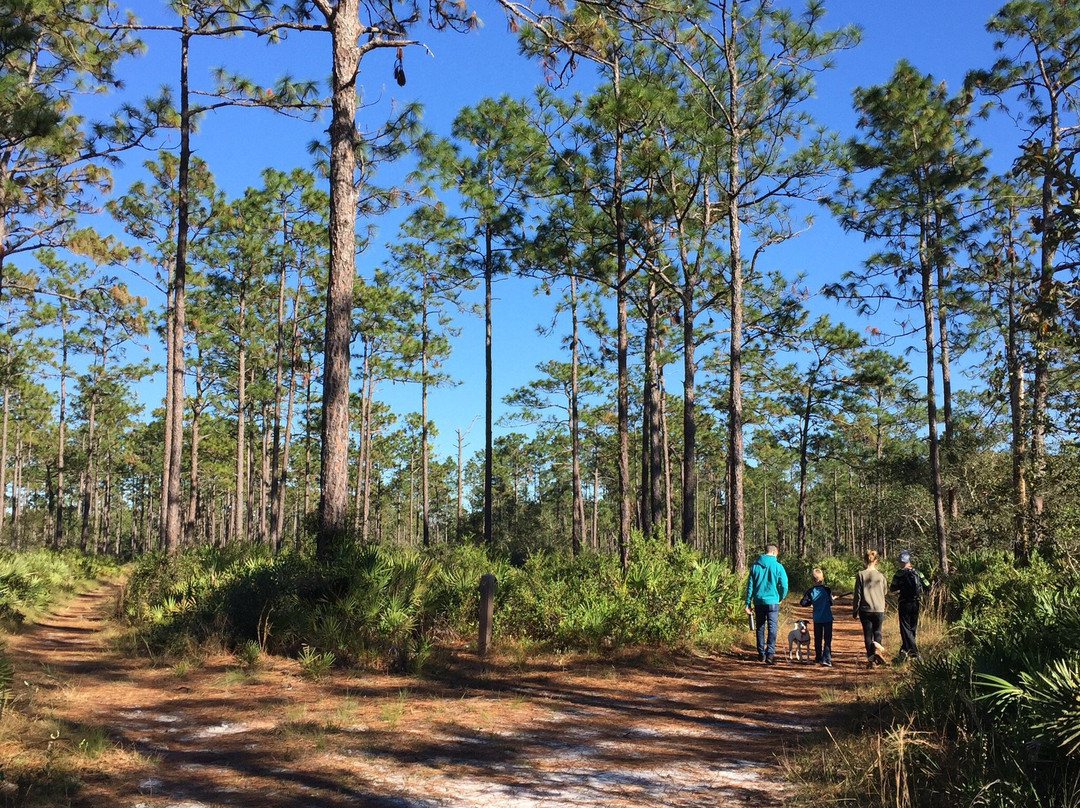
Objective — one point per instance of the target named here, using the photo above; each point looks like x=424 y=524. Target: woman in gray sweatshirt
x=868 y=607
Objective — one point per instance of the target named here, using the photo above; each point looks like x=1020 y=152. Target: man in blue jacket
x=766 y=586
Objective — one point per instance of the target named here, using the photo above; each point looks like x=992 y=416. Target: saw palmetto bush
x=366 y=604
x=30 y=581
x=989 y=717
x=667 y=596
x=451 y=600
x=389 y=605
x=1003 y=692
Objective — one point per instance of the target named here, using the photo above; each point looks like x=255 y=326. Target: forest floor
x=556 y=731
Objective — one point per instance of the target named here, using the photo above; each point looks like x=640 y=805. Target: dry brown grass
x=866 y=757
x=631 y=729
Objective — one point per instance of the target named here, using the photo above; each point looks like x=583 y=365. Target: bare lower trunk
x=89 y=480
x=736 y=517
x=577 y=525
x=281 y=477
x=3 y=458
x=1019 y=449
x=425 y=502
x=174 y=405
x=932 y=426
x=58 y=527
x=622 y=278
x=241 y=450
x=333 y=499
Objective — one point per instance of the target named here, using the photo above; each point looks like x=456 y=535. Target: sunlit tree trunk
x=333 y=498
x=622 y=279
x=577 y=527
x=425 y=494
x=58 y=527
x=174 y=404
x=3 y=459
x=241 y=435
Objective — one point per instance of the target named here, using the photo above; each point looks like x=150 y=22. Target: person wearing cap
x=910 y=584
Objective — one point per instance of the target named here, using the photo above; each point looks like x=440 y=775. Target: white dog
x=799 y=640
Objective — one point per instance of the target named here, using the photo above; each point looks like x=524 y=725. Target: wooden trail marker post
x=487 y=611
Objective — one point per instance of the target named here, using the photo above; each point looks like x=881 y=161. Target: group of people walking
x=767 y=586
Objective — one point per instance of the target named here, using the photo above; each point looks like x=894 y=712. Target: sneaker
x=760 y=657
x=826 y=664
x=879 y=654
x=770 y=660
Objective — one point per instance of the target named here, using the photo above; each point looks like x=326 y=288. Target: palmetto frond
x=1047 y=702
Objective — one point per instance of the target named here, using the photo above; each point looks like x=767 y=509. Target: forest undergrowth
x=988 y=716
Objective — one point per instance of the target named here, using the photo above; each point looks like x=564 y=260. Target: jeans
x=767 y=616
x=871 y=629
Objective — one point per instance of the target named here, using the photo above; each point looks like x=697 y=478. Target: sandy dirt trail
x=691 y=731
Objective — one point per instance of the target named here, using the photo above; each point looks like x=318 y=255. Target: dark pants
x=909 y=621
x=768 y=623
x=871 y=630
x=823 y=637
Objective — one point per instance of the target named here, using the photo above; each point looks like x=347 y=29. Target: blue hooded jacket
x=767 y=582
x=820 y=597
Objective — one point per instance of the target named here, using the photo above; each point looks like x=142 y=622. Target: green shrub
x=315 y=664
x=1002 y=693
x=839 y=573
x=390 y=605
x=30 y=581
x=668 y=596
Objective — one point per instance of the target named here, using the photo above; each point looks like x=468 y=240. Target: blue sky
x=944 y=39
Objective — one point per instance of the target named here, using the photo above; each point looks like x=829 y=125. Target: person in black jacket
x=910 y=585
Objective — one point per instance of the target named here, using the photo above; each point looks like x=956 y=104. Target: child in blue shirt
x=821 y=598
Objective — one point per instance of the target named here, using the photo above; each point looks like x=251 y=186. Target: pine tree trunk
x=736 y=524
x=3 y=460
x=931 y=414
x=952 y=492
x=274 y=528
x=333 y=500
x=804 y=448
x=622 y=279
x=238 y=527
x=58 y=527
x=645 y=509
x=425 y=503
x=282 y=476
x=689 y=468
x=365 y=469
x=89 y=483
x=193 y=471
x=489 y=536
x=577 y=522
x=264 y=478
x=174 y=405
x=1018 y=448
x=665 y=447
